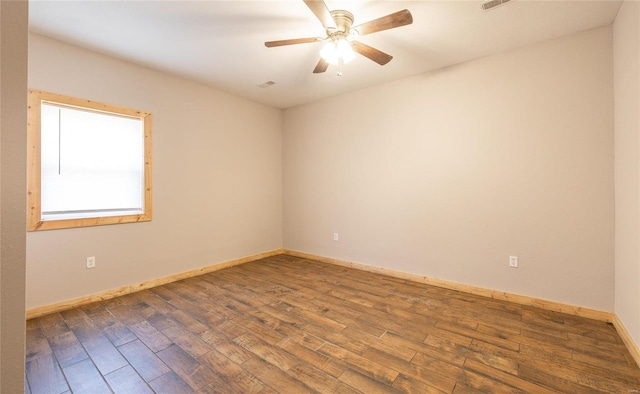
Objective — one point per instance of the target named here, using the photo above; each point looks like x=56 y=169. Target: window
x=89 y=163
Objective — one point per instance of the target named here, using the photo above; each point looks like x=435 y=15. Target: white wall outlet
x=513 y=261
x=91 y=262
x=335 y=237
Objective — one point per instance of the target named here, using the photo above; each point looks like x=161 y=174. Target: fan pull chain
x=340 y=63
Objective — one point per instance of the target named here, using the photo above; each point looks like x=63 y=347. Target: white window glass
x=92 y=163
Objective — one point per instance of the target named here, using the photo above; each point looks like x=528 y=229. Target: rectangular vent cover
x=265 y=85
x=493 y=4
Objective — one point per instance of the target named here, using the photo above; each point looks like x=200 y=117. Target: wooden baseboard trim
x=498 y=295
x=108 y=294
x=626 y=338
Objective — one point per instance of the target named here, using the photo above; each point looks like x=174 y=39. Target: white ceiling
x=221 y=43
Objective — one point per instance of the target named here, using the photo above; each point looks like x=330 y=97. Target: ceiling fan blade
x=321 y=66
x=374 y=54
x=320 y=10
x=271 y=44
x=390 y=21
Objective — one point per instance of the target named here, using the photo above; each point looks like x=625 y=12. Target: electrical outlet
x=91 y=262
x=335 y=236
x=513 y=261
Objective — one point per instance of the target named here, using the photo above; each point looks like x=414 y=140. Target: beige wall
x=447 y=174
x=216 y=179
x=13 y=123
x=626 y=33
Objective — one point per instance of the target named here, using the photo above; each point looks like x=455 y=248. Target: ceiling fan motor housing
x=344 y=20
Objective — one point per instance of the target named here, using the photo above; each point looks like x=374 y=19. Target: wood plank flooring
x=288 y=325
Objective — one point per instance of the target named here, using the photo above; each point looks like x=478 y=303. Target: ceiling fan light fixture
x=337 y=51
x=341 y=45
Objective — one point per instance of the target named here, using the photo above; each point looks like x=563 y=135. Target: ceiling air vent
x=265 y=85
x=493 y=4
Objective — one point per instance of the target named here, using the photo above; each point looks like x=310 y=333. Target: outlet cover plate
x=513 y=261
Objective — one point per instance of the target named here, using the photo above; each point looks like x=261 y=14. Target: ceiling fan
x=340 y=44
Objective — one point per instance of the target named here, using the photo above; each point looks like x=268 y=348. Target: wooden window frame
x=34 y=207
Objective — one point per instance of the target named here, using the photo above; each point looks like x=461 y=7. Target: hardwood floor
x=288 y=325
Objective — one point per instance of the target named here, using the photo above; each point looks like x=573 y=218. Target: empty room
x=320 y=196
